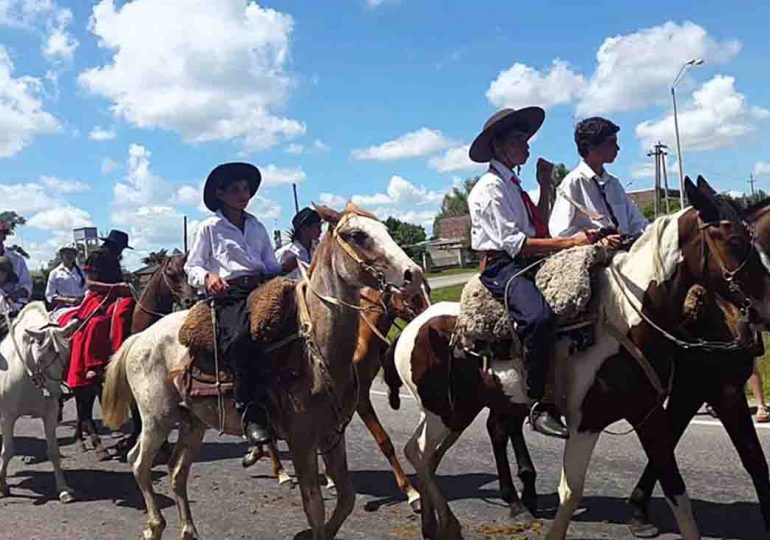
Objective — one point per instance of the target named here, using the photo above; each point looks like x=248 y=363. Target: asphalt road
x=230 y=502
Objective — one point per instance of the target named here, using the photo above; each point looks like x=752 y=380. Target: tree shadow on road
x=89 y=485
x=719 y=520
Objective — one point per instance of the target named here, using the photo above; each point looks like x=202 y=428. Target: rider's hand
x=289 y=265
x=581 y=239
x=90 y=374
x=613 y=241
x=215 y=285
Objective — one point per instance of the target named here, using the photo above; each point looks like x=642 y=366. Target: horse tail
x=117 y=395
x=392 y=379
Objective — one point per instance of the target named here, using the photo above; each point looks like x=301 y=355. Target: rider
x=15 y=295
x=230 y=256
x=508 y=229
x=105 y=311
x=17 y=261
x=590 y=186
x=66 y=283
x=305 y=232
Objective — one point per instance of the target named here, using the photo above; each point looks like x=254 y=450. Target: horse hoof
x=248 y=460
x=102 y=454
x=642 y=528
x=522 y=516
x=283 y=478
x=416 y=505
x=5 y=492
x=65 y=497
x=80 y=446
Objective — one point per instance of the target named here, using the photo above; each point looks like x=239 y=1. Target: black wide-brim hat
x=229 y=171
x=527 y=120
x=306 y=216
x=117 y=238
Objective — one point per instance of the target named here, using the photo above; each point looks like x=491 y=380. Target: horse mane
x=36 y=306
x=351 y=208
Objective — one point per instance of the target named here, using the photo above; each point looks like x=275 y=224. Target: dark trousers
x=237 y=350
x=532 y=314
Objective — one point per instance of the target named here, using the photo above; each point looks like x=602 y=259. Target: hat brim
x=528 y=120
x=240 y=171
x=111 y=241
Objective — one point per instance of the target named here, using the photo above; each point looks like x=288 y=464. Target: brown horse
x=639 y=297
x=381 y=311
x=357 y=252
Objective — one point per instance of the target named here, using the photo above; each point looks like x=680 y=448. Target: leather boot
x=255 y=423
x=544 y=419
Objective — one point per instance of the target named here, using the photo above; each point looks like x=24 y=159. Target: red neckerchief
x=535 y=216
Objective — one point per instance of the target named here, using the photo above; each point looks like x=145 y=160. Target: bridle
x=166 y=282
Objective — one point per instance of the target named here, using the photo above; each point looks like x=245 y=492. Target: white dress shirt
x=580 y=185
x=293 y=249
x=20 y=267
x=221 y=248
x=499 y=219
x=64 y=282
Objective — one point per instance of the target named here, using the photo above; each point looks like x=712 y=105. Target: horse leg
x=526 y=469
x=80 y=444
x=682 y=406
x=658 y=442
x=89 y=399
x=733 y=410
x=50 y=420
x=7 y=425
x=141 y=459
x=498 y=436
x=577 y=456
x=191 y=432
x=336 y=465
x=423 y=450
x=369 y=416
x=278 y=470
x=306 y=469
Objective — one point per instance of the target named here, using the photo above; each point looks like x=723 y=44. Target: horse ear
x=69 y=329
x=38 y=334
x=705 y=187
x=702 y=201
x=327 y=214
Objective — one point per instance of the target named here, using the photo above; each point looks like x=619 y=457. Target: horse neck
x=156 y=300
x=335 y=327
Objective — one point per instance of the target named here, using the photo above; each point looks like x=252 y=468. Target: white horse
x=32 y=359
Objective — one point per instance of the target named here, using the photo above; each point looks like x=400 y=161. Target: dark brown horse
x=717 y=379
x=640 y=297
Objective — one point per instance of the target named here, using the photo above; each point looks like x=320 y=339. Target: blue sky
x=112 y=113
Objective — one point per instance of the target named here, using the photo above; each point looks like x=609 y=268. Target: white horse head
x=46 y=350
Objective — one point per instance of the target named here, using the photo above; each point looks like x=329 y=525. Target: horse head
x=727 y=258
x=363 y=253
x=175 y=278
x=49 y=348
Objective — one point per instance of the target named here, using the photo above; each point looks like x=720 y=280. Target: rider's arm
x=272 y=266
x=562 y=220
x=636 y=220
x=199 y=258
x=25 y=280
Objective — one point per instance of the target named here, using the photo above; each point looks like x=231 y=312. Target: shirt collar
x=588 y=172
x=223 y=218
x=502 y=171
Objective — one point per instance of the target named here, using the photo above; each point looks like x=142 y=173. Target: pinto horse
x=639 y=298
x=372 y=351
x=357 y=252
x=721 y=379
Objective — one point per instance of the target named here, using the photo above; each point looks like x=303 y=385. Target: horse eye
x=359 y=237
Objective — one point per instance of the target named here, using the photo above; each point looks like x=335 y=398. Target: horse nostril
x=408 y=276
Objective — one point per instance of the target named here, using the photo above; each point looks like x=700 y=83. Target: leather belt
x=489 y=256
x=247 y=282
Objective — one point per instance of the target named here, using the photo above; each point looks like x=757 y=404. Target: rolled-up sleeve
x=272 y=266
x=198 y=258
x=499 y=222
x=50 y=287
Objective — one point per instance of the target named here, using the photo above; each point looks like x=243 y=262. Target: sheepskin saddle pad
x=564 y=279
x=273 y=315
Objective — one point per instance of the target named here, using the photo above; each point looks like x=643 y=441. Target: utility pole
x=185 y=234
x=752 y=181
x=296 y=202
x=659 y=153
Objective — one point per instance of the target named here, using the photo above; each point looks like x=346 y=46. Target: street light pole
x=679 y=76
x=296 y=202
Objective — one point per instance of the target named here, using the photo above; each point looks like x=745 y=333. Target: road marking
x=714 y=423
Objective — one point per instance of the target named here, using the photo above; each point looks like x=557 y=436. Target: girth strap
x=638 y=355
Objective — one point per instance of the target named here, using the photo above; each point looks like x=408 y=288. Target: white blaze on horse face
x=396 y=263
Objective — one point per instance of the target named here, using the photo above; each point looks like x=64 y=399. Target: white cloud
x=417 y=217
x=24 y=198
x=59 y=185
x=636 y=70
x=108 y=165
x=315 y=147
x=141 y=186
x=21 y=110
x=454 y=159
x=211 y=71
x=279 y=176
x=188 y=195
x=717 y=116
x=400 y=192
x=100 y=134
x=60 y=218
x=332 y=201
x=421 y=142
x=264 y=209
x=43 y=16
x=374 y=4
x=762 y=167
x=521 y=86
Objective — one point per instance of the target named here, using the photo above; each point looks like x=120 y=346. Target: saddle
x=564 y=279
x=273 y=323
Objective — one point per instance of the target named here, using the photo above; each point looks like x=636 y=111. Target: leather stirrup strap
x=638 y=355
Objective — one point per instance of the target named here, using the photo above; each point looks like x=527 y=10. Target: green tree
x=649 y=210
x=13 y=219
x=403 y=233
x=455 y=202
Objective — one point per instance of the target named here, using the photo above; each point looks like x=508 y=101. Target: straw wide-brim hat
x=527 y=120
x=229 y=171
